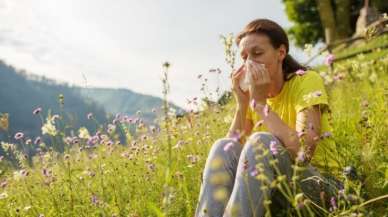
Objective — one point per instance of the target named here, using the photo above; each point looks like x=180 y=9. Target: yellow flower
x=4 y=121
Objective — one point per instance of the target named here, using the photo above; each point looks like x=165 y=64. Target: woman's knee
x=261 y=137
x=224 y=146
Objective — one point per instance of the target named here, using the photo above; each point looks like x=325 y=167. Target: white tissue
x=246 y=79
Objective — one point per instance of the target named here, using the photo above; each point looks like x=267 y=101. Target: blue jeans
x=233 y=183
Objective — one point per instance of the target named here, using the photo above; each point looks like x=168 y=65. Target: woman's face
x=258 y=48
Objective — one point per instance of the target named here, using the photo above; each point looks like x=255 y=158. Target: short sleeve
x=310 y=91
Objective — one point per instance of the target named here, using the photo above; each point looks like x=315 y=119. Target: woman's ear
x=282 y=52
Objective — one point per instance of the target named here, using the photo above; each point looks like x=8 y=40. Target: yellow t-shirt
x=298 y=93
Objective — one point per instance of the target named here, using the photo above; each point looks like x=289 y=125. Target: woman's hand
x=241 y=97
x=259 y=87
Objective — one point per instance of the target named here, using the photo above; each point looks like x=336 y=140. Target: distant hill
x=21 y=93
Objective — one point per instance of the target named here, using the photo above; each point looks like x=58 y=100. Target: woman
x=284 y=116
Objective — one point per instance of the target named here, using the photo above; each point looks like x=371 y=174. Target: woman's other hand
x=241 y=97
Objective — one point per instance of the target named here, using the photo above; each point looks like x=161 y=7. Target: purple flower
x=254 y=172
x=37 y=111
x=329 y=59
x=89 y=116
x=19 y=135
x=300 y=72
x=37 y=140
x=326 y=134
x=300 y=157
x=333 y=203
x=94 y=199
x=273 y=147
x=228 y=146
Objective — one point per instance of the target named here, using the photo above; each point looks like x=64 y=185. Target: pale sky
x=123 y=43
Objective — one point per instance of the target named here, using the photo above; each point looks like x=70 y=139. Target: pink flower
x=254 y=172
x=19 y=135
x=273 y=148
x=228 y=146
x=329 y=59
x=37 y=111
x=326 y=135
x=300 y=157
x=300 y=72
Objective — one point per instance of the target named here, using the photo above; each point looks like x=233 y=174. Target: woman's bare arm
x=308 y=122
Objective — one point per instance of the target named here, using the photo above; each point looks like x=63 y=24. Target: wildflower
x=326 y=134
x=329 y=59
x=94 y=199
x=54 y=117
x=37 y=140
x=28 y=142
x=254 y=172
x=138 y=112
x=300 y=72
x=3 y=195
x=178 y=145
x=273 y=148
x=350 y=172
x=49 y=127
x=4 y=122
x=153 y=110
x=301 y=156
x=89 y=116
x=37 y=111
x=333 y=203
x=308 y=48
x=83 y=133
x=299 y=200
x=19 y=135
x=228 y=146
x=3 y=184
x=66 y=157
x=1 y=158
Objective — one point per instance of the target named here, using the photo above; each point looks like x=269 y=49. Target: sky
x=123 y=43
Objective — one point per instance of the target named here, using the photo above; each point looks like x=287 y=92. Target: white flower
x=83 y=133
x=308 y=48
x=3 y=195
x=49 y=127
x=373 y=77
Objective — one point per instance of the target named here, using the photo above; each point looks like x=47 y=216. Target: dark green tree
x=307 y=23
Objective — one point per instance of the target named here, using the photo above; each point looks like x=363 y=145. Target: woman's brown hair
x=277 y=37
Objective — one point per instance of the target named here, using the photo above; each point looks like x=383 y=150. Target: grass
x=105 y=178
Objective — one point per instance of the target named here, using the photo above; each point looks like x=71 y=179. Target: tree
x=309 y=28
